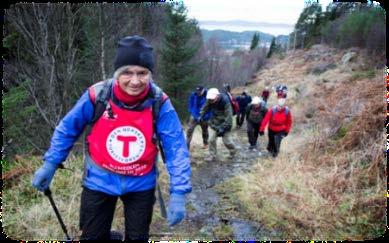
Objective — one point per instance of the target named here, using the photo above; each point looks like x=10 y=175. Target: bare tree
x=46 y=56
x=43 y=62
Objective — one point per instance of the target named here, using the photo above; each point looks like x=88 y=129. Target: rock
x=349 y=56
x=322 y=67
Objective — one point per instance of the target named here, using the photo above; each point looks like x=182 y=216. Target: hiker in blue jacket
x=122 y=148
x=197 y=100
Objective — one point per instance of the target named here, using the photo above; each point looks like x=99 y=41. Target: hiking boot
x=252 y=147
x=232 y=155
x=210 y=159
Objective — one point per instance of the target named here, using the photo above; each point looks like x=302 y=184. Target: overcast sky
x=285 y=12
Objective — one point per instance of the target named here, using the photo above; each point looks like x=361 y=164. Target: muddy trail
x=211 y=212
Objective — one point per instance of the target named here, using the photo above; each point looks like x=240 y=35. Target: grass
x=366 y=74
x=336 y=188
x=223 y=232
x=28 y=215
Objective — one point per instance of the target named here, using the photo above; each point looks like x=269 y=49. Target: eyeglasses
x=140 y=74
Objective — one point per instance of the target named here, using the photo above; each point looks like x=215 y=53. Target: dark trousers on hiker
x=240 y=117
x=252 y=133
x=275 y=142
x=97 y=211
x=191 y=127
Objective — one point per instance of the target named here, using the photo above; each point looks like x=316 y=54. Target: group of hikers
x=129 y=120
x=214 y=108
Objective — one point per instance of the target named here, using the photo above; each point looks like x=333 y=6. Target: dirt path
x=211 y=212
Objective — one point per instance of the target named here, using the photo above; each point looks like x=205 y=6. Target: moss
x=370 y=73
x=342 y=131
x=223 y=232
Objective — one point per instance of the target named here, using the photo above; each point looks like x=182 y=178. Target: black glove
x=220 y=132
x=261 y=133
x=285 y=134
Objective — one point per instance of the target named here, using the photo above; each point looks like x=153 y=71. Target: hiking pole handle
x=47 y=193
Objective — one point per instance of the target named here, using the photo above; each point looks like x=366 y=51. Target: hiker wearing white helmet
x=220 y=122
x=256 y=111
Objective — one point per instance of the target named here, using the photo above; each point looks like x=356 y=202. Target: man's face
x=199 y=92
x=214 y=100
x=134 y=80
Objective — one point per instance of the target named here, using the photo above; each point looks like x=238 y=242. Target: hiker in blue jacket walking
x=197 y=100
x=123 y=147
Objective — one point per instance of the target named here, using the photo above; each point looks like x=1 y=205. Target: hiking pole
x=161 y=202
x=47 y=192
x=160 y=198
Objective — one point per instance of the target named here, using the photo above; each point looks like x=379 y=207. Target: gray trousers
x=226 y=140
x=191 y=127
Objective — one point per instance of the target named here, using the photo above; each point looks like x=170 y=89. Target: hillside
x=231 y=37
x=328 y=183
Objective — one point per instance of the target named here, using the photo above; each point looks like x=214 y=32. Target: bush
x=363 y=74
x=364 y=28
x=16 y=124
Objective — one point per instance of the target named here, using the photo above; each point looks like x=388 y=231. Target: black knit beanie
x=134 y=50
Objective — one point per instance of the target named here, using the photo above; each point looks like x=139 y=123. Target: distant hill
x=240 y=38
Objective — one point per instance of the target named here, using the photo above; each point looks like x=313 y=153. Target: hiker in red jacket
x=280 y=122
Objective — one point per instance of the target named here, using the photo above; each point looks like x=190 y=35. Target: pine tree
x=307 y=28
x=180 y=45
x=254 y=41
x=272 y=48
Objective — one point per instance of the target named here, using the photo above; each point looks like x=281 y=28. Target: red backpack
x=234 y=103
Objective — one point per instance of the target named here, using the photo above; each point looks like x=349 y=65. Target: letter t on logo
x=126 y=143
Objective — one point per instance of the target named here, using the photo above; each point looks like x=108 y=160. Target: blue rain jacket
x=169 y=131
x=195 y=104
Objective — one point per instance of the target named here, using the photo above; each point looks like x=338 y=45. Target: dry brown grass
x=330 y=180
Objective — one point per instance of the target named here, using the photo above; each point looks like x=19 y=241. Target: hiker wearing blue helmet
x=129 y=116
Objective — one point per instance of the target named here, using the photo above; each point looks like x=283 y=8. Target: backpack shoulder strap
x=99 y=95
x=286 y=110
x=159 y=98
x=273 y=110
